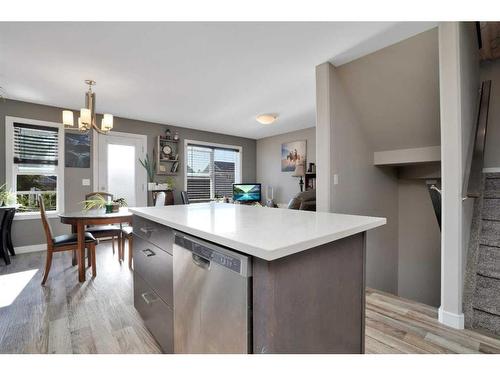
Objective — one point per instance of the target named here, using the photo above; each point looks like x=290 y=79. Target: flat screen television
x=246 y=193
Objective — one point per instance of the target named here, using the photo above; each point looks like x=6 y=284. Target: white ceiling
x=208 y=76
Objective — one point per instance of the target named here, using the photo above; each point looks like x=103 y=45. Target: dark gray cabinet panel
x=154 y=265
x=311 y=302
x=158 y=234
x=157 y=315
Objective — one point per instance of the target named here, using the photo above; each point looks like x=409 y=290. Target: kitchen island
x=305 y=272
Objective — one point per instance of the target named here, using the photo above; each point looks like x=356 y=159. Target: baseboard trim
x=30 y=248
x=451 y=319
x=491 y=170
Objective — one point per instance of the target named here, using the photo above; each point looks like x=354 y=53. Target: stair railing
x=472 y=183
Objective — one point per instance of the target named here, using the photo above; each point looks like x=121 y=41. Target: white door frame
x=95 y=153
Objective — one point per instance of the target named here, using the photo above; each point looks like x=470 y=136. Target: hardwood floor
x=98 y=316
x=65 y=316
x=395 y=325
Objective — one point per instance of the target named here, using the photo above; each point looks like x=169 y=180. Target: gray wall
x=491 y=70
x=419 y=263
x=269 y=163
x=29 y=232
x=383 y=101
x=469 y=87
x=395 y=93
x=362 y=188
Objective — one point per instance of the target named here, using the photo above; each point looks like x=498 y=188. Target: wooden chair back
x=45 y=222
x=101 y=193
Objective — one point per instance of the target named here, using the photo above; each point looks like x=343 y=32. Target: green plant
x=3 y=194
x=171 y=182
x=97 y=201
x=149 y=166
x=7 y=197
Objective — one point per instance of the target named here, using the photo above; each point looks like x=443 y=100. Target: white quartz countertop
x=267 y=233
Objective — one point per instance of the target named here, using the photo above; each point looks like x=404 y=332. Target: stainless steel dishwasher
x=212 y=298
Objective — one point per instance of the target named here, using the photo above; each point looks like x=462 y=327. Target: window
x=34 y=164
x=211 y=170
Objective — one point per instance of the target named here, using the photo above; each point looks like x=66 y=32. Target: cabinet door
x=158 y=234
x=157 y=315
x=154 y=265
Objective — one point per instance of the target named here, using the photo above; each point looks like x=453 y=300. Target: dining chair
x=184 y=197
x=64 y=242
x=127 y=236
x=104 y=231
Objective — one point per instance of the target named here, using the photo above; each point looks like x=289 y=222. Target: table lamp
x=300 y=172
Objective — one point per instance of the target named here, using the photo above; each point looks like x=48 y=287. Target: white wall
x=459 y=82
x=269 y=163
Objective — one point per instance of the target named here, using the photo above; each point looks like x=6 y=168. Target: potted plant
x=171 y=183
x=3 y=195
x=150 y=167
x=7 y=197
x=98 y=201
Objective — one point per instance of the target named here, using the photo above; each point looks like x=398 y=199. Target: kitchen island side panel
x=313 y=301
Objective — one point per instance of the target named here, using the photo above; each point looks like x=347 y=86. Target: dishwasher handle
x=201 y=262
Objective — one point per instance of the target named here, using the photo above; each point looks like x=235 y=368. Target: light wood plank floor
x=98 y=316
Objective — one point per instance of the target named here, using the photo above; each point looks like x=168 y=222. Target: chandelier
x=87 y=119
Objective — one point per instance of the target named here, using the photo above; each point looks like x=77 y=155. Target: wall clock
x=167 y=151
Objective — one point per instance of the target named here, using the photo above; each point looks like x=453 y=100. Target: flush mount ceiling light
x=87 y=120
x=267 y=118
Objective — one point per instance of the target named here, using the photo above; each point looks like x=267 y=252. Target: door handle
x=201 y=262
x=148 y=252
x=146 y=230
x=149 y=298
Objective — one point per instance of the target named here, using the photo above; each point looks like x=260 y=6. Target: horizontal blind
x=225 y=162
x=35 y=144
x=211 y=171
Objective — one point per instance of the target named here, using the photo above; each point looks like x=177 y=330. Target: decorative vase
x=109 y=208
x=176 y=136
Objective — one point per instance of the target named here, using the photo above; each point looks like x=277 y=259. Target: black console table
x=6 y=216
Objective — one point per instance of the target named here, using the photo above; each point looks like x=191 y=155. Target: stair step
x=488 y=262
x=492 y=194
x=486 y=321
x=491 y=209
x=490 y=233
x=492 y=182
x=487 y=295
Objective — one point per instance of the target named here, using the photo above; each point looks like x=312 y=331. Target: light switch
x=335 y=179
x=86 y=182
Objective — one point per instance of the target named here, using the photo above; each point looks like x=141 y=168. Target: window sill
x=35 y=216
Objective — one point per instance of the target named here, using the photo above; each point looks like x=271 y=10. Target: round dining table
x=79 y=219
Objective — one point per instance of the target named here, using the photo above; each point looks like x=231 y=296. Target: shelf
x=169 y=140
x=168 y=160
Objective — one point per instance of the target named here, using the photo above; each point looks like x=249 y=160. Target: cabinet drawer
x=158 y=234
x=157 y=316
x=154 y=265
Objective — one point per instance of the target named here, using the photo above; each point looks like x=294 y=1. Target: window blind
x=211 y=171
x=35 y=144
